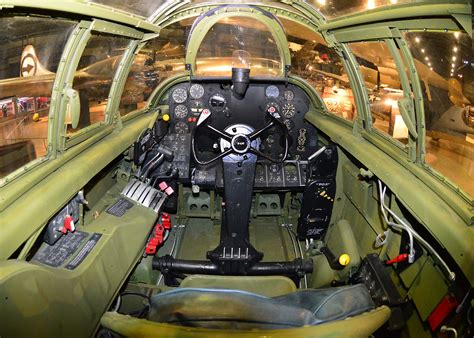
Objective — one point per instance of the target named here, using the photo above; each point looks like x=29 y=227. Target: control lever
x=167 y=152
x=316 y=154
x=336 y=263
x=163 y=153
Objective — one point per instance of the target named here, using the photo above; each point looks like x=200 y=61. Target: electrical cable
x=175 y=241
x=445 y=328
x=118 y=304
x=411 y=231
x=143 y=311
x=403 y=226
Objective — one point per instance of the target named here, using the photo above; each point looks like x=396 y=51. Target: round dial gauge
x=272 y=91
x=196 y=91
x=260 y=173
x=181 y=111
x=289 y=124
x=180 y=95
x=288 y=110
x=289 y=95
x=181 y=128
x=217 y=102
x=291 y=172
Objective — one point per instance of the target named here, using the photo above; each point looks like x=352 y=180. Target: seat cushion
x=233 y=309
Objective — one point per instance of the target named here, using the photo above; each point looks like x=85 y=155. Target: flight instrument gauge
x=272 y=91
x=288 y=110
x=289 y=124
x=181 y=111
x=196 y=91
x=289 y=95
x=180 y=95
x=291 y=173
x=181 y=128
x=217 y=102
x=260 y=175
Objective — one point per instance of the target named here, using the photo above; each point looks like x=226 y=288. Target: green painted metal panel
x=57 y=302
x=423 y=196
x=58 y=182
x=404 y=11
x=363 y=34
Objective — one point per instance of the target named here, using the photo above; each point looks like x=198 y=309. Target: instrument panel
x=188 y=100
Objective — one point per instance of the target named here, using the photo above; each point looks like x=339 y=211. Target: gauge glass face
x=289 y=95
x=181 y=128
x=288 y=110
x=291 y=173
x=181 y=111
x=260 y=173
x=272 y=91
x=180 y=95
x=196 y=91
x=289 y=124
x=217 y=102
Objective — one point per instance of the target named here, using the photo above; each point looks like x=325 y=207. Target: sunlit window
x=93 y=78
x=322 y=68
x=215 y=55
x=336 y=8
x=159 y=59
x=444 y=64
x=384 y=87
x=30 y=52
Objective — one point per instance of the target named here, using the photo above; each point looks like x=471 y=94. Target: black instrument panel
x=188 y=100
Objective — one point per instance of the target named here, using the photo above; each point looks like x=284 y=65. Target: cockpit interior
x=236 y=168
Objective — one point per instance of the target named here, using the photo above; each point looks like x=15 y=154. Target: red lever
x=68 y=225
x=398 y=259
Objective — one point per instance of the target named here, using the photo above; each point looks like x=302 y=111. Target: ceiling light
x=417 y=39
x=370 y=4
x=454 y=58
x=321 y=2
x=429 y=64
x=427 y=58
x=431 y=68
x=422 y=50
x=457 y=35
x=455 y=49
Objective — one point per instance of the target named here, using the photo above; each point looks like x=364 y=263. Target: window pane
x=444 y=64
x=335 y=8
x=30 y=52
x=384 y=87
x=321 y=67
x=216 y=54
x=94 y=76
x=159 y=59
x=142 y=7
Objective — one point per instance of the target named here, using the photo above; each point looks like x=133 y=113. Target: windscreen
x=239 y=35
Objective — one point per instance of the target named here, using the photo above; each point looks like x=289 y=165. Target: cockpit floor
x=266 y=234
